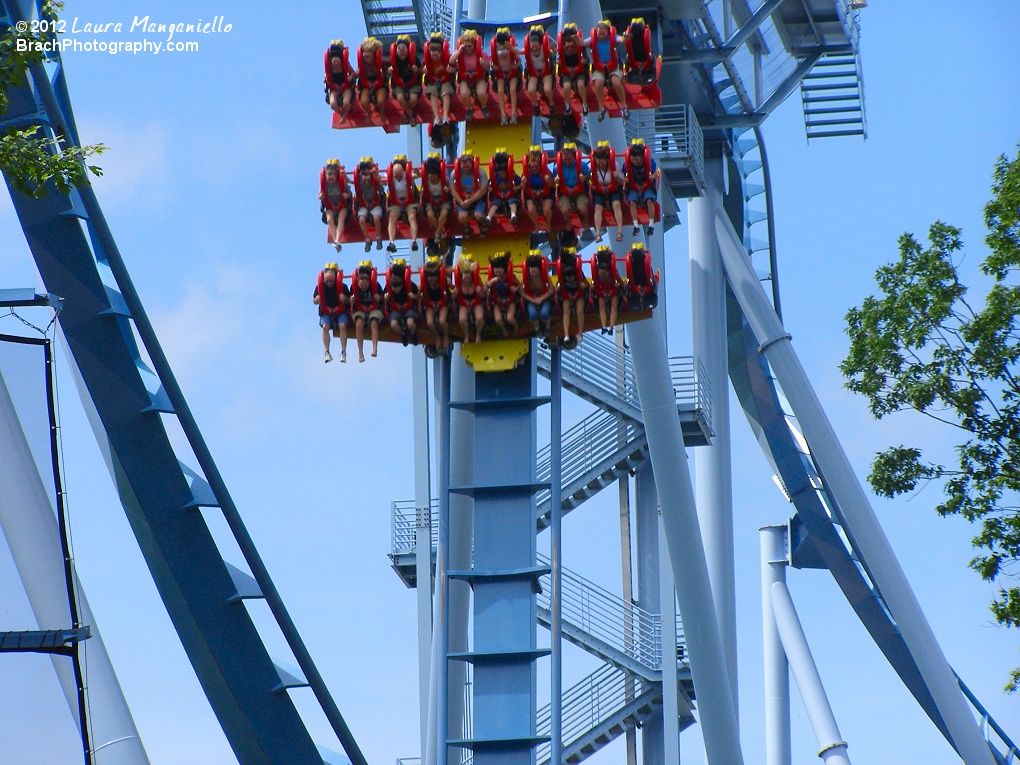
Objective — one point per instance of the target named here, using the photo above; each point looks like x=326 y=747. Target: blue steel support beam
x=757 y=395
x=219 y=637
x=504 y=575
x=870 y=543
x=229 y=657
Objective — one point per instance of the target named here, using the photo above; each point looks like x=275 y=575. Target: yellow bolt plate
x=494 y=355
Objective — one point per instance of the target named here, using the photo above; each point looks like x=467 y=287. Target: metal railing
x=690 y=385
x=673 y=134
x=598 y=361
x=1008 y=753
x=588 y=704
x=624 y=626
x=436 y=16
x=585 y=446
x=403 y=525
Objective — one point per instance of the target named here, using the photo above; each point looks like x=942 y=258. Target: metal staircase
x=600 y=449
x=832 y=96
x=606 y=626
x=601 y=707
x=602 y=373
x=622 y=693
x=389 y=18
x=597 y=451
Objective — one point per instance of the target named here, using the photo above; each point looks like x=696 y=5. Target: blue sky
x=210 y=186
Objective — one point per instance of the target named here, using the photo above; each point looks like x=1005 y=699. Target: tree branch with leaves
x=29 y=157
x=921 y=344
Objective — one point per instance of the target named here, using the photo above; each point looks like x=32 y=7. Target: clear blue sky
x=210 y=187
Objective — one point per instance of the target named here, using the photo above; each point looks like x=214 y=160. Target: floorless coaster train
x=559 y=196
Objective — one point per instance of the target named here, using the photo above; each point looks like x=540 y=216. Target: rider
x=332 y=297
x=402 y=195
x=605 y=65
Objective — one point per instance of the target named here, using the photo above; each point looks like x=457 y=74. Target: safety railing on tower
x=688 y=374
x=624 y=626
x=595 y=452
x=675 y=138
x=590 y=704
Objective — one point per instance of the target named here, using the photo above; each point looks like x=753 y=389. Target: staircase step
x=849 y=74
x=830 y=86
x=808 y=99
x=828 y=123
x=833 y=110
x=835 y=133
x=836 y=61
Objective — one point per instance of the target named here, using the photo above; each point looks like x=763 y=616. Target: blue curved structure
x=126 y=392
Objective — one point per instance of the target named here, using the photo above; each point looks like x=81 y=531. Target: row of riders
x=467 y=192
x=574 y=64
x=501 y=299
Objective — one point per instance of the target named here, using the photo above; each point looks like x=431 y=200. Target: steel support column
x=683 y=535
x=712 y=477
x=777 y=670
x=831 y=746
x=649 y=565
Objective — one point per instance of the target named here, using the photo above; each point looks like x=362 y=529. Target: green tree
x=924 y=344
x=28 y=157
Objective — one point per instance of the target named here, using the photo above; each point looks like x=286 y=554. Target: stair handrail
x=673 y=133
x=691 y=385
x=601 y=362
x=584 y=446
x=586 y=705
x=624 y=626
x=598 y=360
x=403 y=523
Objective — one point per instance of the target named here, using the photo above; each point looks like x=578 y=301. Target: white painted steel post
x=831 y=746
x=422 y=497
x=777 y=669
x=649 y=567
x=686 y=552
x=712 y=467
x=441 y=644
x=422 y=535
x=670 y=702
x=29 y=524
x=870 y=541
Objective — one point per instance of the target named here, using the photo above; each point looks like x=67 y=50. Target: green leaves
x=29 y=157
x=919 y=345
x=30 y=161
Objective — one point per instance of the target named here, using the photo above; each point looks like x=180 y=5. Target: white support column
x=687 y=555
x=870 y=540
x=670 y=702
x=831 y=746
x=777 y=670
x=29 y=524
x=438 y=716
x=712 y=467
x=649 y=565
x=422 y=533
